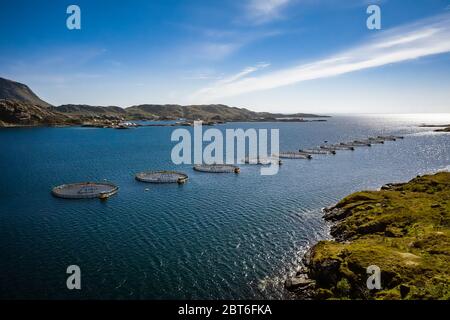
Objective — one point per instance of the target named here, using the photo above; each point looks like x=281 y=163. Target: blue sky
x=267 y=55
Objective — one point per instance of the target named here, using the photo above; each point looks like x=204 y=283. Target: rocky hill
x=11 y=90
x=20 y=106
x=86 y=110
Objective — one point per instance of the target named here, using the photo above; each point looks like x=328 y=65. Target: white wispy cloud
x=222 y=78
x=231 y=79
x=217 y=51
x=245 y=72
x=413 y=41
x=262 y=11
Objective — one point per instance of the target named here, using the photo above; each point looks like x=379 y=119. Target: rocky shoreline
x=21 y=114
x=404 y=229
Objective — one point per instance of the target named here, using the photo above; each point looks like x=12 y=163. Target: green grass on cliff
x=404 y=230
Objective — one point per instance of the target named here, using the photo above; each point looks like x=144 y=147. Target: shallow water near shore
x=218 y=236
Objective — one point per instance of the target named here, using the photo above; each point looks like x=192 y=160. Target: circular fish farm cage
x=262 y=161
x=294 y=155
x=162 y=177
x=85 y=190
x=217 y=168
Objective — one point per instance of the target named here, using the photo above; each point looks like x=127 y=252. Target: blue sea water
x=218 y=236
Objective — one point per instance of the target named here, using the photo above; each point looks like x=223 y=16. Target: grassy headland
x=404 y=229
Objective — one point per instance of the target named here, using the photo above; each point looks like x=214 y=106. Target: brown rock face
x=15 y=113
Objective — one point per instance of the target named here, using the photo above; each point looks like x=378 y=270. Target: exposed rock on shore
x=13 y=113
x=404 y=229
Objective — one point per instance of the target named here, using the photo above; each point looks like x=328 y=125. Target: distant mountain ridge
x=84 y=109
x=19 y=105
x=217 y=112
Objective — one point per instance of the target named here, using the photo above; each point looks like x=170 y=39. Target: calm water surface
x=218 y=236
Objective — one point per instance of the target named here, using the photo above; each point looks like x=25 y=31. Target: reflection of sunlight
x=429 y=132
x=443 y=118
x=417 y=118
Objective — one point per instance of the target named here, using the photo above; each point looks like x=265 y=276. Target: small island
x=446 y=129
x=404 y=229
x=441 y=128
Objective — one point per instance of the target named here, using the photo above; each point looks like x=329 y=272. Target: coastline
x=403 y=228
x=119 y=125
x=15 y=113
